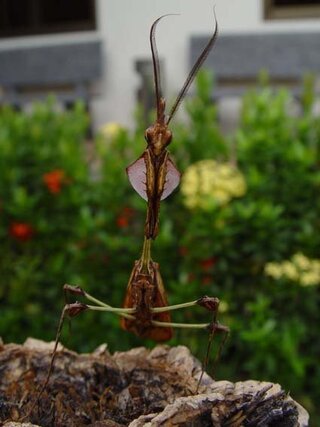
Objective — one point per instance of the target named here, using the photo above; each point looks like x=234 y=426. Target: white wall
x=124 y=26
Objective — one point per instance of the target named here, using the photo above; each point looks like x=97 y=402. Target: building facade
x=91 y=48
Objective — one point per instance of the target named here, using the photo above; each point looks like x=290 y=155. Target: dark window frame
x=294 y=11
x=36 y=27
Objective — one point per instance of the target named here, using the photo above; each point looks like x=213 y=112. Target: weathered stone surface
x=13 y=424
x=139 y=387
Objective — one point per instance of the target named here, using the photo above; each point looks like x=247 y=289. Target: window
x=28 y=17
x=291 y=9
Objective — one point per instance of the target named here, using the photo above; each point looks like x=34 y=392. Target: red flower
x=124 y=218
x=208 y=263
x=21 y=231
x=122 y=221
x=54 y=180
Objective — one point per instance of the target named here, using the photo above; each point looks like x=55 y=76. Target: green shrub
x=235 y=230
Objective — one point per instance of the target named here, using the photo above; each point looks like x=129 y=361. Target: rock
x=139 y=387
x=13 y=424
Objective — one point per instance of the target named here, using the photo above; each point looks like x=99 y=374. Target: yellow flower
x=301 y=261
x=208 y=183
x=289 y=270
x=300 y=269
x=310 y=278
x=273 y=269
x=110 y=130
x=315 y=266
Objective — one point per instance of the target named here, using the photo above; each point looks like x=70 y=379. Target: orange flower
x=21 y=231
x=54 y=180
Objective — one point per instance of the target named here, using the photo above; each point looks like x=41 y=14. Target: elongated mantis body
x=154 y=175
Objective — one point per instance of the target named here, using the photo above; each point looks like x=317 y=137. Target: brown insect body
x=145 y=290
x=154 y=175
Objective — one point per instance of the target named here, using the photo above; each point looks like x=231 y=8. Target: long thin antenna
x=156 y=64
x=194 y=71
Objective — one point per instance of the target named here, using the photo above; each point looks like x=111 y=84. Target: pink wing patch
x=172 y=179
x=137 y=174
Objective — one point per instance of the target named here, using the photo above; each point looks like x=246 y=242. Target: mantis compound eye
x=168 y=137
x=149 y=134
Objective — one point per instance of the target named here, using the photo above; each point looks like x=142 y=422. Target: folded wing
x=172 y=179
x=137 y=174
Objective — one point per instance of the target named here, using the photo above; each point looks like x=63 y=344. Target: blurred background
x=76 y=93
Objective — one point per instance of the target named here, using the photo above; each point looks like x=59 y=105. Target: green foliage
x=68 y=214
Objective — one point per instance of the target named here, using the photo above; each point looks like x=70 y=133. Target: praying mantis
x=154 y=176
